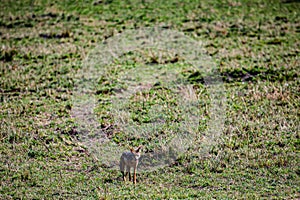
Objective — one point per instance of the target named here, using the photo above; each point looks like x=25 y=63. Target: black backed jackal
x=128 y=160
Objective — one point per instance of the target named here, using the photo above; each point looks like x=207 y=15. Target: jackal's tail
x=122 y=164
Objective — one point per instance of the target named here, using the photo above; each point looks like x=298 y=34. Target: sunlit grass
x=255 y=46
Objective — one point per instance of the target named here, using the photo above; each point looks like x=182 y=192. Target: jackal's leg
x=134 y=175
x=128 y=170
x=124 y=176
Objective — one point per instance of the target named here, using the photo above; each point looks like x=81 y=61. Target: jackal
x=128 y=160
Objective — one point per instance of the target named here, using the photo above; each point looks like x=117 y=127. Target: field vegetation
x=255 y=46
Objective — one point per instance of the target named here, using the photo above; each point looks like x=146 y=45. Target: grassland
x=255 y=45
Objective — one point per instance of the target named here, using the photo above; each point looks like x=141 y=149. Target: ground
x=255 y=46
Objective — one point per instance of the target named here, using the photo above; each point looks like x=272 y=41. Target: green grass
x=255 y=45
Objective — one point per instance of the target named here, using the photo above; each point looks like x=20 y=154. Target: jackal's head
x=136 y=152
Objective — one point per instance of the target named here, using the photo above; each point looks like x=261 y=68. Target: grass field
x=255 y=46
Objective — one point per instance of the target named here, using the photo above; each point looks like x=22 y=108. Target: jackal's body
x=130 y=159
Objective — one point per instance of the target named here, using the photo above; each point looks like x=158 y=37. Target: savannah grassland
x=256 y=47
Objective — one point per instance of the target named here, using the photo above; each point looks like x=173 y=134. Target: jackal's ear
x=138 y=149
x=131 y=149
